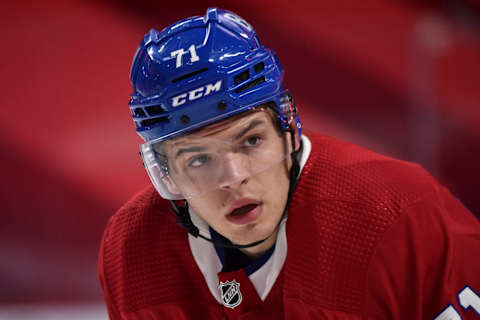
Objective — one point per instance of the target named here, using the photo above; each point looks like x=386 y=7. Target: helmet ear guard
x=288 y=110
x=289 y=119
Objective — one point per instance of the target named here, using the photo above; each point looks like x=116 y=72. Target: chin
x=252 y=233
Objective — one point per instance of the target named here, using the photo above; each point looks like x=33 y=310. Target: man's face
x=238 y=172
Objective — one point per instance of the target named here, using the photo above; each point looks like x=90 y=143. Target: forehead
x=227 y=129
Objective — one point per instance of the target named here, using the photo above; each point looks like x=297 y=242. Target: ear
x=171 y=186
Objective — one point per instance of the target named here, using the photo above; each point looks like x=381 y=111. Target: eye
x=199 y=161
x=252 y=141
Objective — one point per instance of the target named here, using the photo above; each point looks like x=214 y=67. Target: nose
x=235 y=171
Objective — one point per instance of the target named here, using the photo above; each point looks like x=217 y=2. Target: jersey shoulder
x=145 y=213
x=346 y=199
x=343 y=171
x=144 y=255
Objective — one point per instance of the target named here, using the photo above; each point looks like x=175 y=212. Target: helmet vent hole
x=151 y=122
x=189 y=75
x=155 y=110
x=139 y=112
x=185 y=119
x=239 y=78
x=259 y=67
x=251 y=84
x=222 y=106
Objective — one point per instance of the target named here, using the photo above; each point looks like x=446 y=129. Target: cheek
x=207 y=207
x=276 y=183
x=281 y=173
x=283 y=176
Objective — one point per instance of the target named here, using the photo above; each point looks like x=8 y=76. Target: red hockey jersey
x=367 y=237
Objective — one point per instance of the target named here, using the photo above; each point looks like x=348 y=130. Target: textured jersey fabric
x=368 y=237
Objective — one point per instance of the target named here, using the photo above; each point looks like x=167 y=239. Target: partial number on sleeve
x=467 y=298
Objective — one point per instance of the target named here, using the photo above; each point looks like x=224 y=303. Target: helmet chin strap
x=185 y=221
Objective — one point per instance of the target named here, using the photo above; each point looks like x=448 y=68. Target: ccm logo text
x=196 y=93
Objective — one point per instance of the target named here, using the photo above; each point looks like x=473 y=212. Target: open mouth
x=245 y=214
x=244 y=209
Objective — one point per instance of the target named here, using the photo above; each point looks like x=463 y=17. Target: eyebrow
x=252 y=125
x=191 y=149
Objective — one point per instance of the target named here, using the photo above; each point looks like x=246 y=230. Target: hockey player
x=275 y=224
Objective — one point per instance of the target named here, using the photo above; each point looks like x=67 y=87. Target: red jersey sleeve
x=112 y=311
x=427 y=266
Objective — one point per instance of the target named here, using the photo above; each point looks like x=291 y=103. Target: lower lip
x=247 y=217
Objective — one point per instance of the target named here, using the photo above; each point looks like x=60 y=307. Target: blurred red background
x=398 y=77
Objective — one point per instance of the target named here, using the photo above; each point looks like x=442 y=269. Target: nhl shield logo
x=231 y=296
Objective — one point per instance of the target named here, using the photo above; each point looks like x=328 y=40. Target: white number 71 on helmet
x=180 y=52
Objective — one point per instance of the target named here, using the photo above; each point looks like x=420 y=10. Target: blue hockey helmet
x=198 y=71
x=201 y=70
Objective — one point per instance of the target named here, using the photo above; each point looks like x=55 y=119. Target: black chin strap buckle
x=184 y=219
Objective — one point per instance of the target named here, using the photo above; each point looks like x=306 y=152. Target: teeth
x=244 y=209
